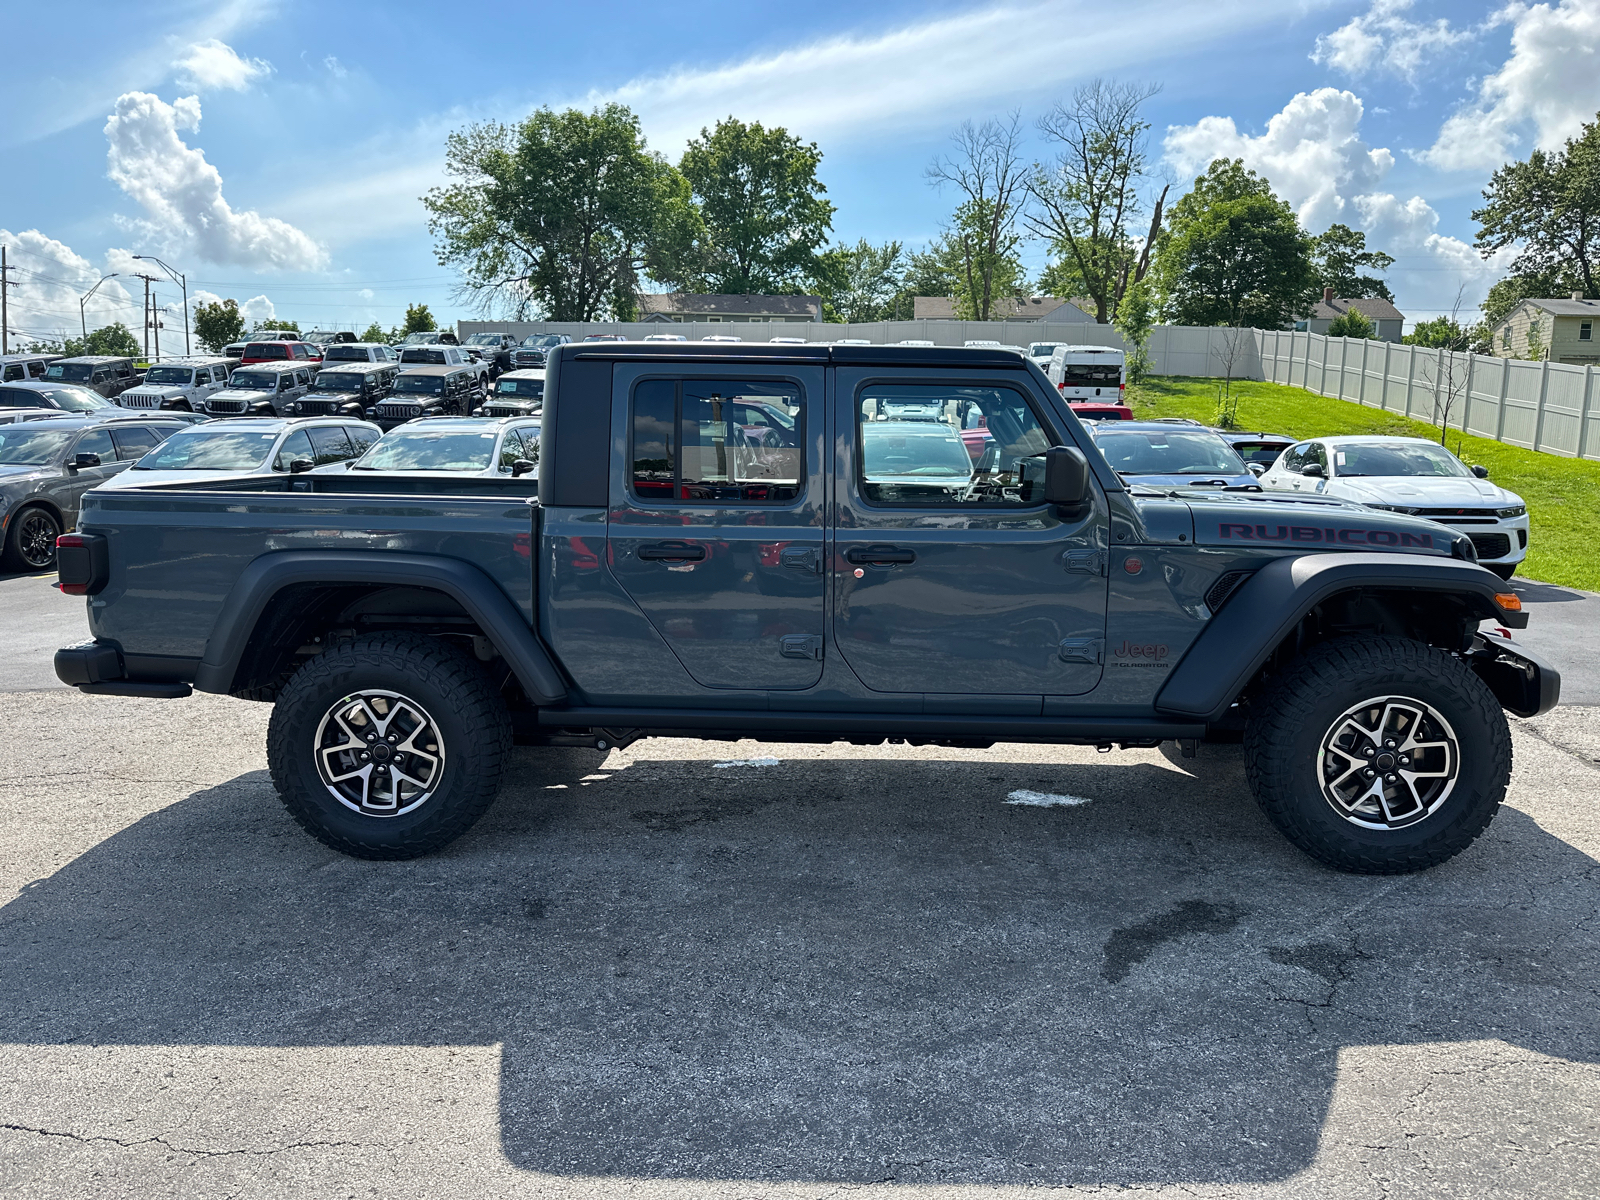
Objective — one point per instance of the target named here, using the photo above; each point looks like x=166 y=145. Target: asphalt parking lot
x=739 y=970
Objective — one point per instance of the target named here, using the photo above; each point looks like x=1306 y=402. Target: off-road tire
x=471 y=719
x=22 y=535
x=1284 y=751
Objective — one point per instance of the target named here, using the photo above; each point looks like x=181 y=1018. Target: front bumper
x=1523 y=682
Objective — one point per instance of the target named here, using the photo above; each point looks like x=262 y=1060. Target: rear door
x=716 y=527
x=955 y=579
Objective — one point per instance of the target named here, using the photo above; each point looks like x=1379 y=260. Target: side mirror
x=85 y=460
x=522 y=466
x=300 y=466
x=1066 y=476
x=1256 y=469
x=1314 y=470
x=1481 y=472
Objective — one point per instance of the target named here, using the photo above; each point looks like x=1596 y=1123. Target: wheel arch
x=1293 y=602
x=267 y=609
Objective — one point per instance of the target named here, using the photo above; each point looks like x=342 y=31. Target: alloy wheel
x=379 y=753
x=1389 y=762
x=36 y=538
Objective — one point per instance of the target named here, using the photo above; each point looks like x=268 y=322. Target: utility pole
x=148 y=280
x=182 y=280
x=5 y=291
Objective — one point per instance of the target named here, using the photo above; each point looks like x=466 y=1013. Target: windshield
x=541 y=341
x=27 y=444
x=1409 y=459
x=1168 y=452
x=345 y=354
x=420 y=339
x=74 y=399
x=519 y=387
x=179 y=375
x=1090 y=375
x=259 y=381
x=70 y=372
x=432 y=357
x=484 y=339
x=338 y=381
x=420 y=385
x=1040 y=349
x=440 y=450
x=893 y=451
x=209 y=450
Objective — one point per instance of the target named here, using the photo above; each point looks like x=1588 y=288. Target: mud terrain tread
x=1342 y=668
x=470 y=698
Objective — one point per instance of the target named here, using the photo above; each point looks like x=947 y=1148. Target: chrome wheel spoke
x=1388 y=762
x=379 y=753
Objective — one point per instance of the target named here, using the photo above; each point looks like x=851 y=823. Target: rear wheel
x=389 y=746
x=1379 y=755
x=31 y=540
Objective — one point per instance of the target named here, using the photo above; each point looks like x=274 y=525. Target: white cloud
x=1313 y=155
x=335 y=68
x=48 y=278
x=1549 y=86
x=365 y=293
x=1384 y=39
x=213 y=65
x=181 y=193
x=257 y=308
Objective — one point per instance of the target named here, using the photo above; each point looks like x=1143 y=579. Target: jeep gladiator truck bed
x=812 y=543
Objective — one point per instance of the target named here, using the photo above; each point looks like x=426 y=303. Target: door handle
x=879 y=556
x=672 y=552
x=801 y=558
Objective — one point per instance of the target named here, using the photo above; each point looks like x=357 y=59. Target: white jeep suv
x=179 y=383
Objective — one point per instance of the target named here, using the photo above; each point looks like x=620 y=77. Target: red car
x=277 y=352
x=1101 y=410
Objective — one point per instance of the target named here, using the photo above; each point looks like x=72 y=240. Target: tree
x=758 y=200
x=1536 y=342
x=418 y=320
x=276 y=323
x=1340 y=255
x=1230 y=352
x=554 y=215
x=1515 y=288
x=1061 y=277
x=1087 y=198
x=987 y=168
x=1233 y=254
x=116 y=339
x=1549 y=205
x=1352 y=323
x=860 y=282
x=1135 y=318
x=218 y=324
x=1441 y=331
x=375 y=333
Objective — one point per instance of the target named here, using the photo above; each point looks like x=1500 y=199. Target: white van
x=1084 y=373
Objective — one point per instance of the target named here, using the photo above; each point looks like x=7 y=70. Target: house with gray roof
x=1561 y=330
x=681 y=306
x=1388 y=319
x=1006 y=308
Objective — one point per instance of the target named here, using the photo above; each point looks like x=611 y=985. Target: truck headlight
x=1516 y=510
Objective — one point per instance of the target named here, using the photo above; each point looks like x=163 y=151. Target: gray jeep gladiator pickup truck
x=812 y=543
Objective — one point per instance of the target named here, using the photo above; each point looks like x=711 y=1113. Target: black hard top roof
x=863 y=356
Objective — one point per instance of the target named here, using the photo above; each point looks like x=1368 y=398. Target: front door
x=716 y=533
x=954 y=577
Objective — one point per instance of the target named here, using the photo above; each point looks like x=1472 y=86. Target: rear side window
x=134 y=441
x=13 y=371
x=330 y=443
x=296 y=446
x=36 y=370
x=717 y=441
x=932 y=445
x=97 y=441
x=19 y=398
x=360 y=438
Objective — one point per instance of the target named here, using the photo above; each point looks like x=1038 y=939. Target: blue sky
x=278 y=150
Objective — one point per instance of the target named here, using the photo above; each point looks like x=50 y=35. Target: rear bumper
x=98 y=669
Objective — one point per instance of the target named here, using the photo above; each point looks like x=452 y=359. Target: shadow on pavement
x=1544 y=593
x=830 y=969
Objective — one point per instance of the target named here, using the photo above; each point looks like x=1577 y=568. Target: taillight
x=1061 y=387
x=83 y=564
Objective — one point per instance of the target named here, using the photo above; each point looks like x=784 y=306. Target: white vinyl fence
x=1544 y=406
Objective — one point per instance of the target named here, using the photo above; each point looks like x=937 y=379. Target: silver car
x=456 y=446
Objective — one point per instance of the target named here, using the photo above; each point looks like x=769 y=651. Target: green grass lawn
x=1563 y=494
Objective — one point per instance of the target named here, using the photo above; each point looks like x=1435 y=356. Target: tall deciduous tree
x=556 y=214
x=418 y=320
x=218 y=324
x=760 y=205
x=374 y=333
x=1086 y=199
x=987 y=168
x=1549 y=205
x=1233 y=254
x=1341 y=255
x=860 y=282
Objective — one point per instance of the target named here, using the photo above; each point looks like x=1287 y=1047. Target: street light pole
x=182 y=281
x=82 y=319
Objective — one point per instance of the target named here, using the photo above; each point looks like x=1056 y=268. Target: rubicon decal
x=1326 y=535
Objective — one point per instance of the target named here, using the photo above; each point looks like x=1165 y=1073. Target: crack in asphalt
x=158 y=1140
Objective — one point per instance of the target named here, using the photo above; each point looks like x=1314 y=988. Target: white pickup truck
x=179 y=383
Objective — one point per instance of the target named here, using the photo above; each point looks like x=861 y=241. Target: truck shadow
x=842 y=969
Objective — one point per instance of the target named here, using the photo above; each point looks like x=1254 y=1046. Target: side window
x=360 y=438
x=97 y=441
x=124 y=371
x=330 y=444
x=510 y=449
x=718 y=441
x=36 y=370
x=1316 y=453
x=13 y=372
x=134 y=442
x=19 y=398
x=1295 y=457
x=102 y=376
x=920 y=444
x=296 y=445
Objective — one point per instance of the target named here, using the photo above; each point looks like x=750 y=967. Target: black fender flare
x=468 y=586
x=1266 y=608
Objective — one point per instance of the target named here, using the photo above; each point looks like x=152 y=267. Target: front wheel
x=1379 y=755
x=389 y=746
